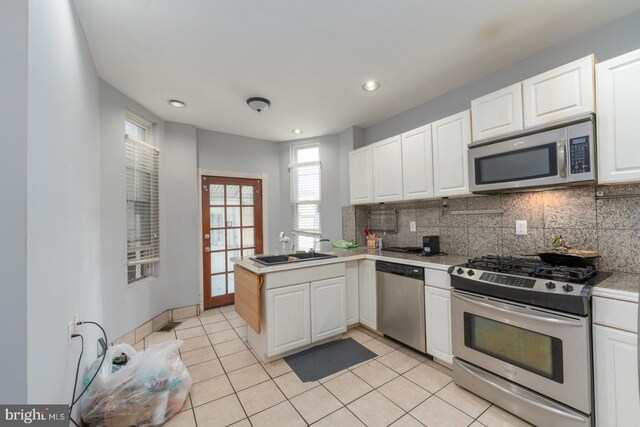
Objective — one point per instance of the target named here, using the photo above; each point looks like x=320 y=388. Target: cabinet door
x=438 y=318
x=387 y=170
x=450 y=169
x=367 y=293
x=328 y=308
x=560 y=93
x=289 y=320
x=360 y=176
x=351 y=277
x=498 y=113
x=417 y=164
x=618 y=91
x=615 y=356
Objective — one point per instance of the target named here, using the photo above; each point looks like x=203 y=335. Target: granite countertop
x=438 y=262
x=625 y=286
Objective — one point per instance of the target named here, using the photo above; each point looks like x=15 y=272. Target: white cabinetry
x=450 y=139
x=387 y=170
x=560 y=93
x=367 y=293
x=361 y=176
x=328 y=308
x=437 y=299
x=289 y=318
x=351 y=278
x=417 y=164
x=615 y=356
x=618 y=94
x=498 y=113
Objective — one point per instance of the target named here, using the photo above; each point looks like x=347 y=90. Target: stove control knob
x=550 y=285
x=470 y=273
x=567 y=288
x=460 y=271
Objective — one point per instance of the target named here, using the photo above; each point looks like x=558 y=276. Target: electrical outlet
x=412 y=226
x=76 y=319
x=521 y=228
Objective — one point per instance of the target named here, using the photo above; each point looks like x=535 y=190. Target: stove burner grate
x=532 y=268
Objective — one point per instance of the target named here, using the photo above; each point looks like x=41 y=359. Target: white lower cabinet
x=615 y=359
x=351 y=279
x=328 y=308
x=367 y=293
x=289 y=318
x=438 y=318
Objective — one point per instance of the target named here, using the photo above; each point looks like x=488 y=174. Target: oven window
x=530 y=163
x=538 y=353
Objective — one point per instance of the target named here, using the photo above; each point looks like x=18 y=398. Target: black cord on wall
x=74 y=400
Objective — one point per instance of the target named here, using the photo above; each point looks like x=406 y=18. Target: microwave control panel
x=579 y=155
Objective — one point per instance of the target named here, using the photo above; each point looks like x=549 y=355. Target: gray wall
x=181 y=163
x=233 y=153
x=127 y=307
x=63 y=193
x=330 y=186
x=13 y=201
x=608 y=41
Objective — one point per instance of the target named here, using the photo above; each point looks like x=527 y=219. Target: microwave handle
x=562 y=157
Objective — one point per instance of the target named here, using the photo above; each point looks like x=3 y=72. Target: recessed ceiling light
x=177 y=104
x=370 y=85
x=296 y=131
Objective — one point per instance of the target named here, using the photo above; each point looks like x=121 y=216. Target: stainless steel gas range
x=521 y=333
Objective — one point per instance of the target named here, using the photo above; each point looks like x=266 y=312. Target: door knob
x=206 y=236
x=207 y=249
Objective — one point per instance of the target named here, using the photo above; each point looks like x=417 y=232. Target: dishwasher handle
x=403 y=270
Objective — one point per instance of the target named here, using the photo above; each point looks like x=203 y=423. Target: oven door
x=529 y=161
x=544 y=351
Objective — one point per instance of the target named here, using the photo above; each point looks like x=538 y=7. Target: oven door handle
x=517 y=311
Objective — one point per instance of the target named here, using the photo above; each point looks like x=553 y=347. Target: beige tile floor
x=399 y=388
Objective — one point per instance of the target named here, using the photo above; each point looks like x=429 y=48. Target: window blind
x=305 y=198
x=143 y=226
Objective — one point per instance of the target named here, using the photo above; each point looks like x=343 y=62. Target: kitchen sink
x=287 y=259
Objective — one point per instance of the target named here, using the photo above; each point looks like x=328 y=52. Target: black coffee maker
x=430 y=245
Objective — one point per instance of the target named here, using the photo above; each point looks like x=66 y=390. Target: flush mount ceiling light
x=296 y=131
x=370 y=86
x=176 y=103
x=258 y=104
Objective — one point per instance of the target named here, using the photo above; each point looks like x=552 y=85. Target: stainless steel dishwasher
x=400 y=303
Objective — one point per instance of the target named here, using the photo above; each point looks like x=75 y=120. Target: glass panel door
x=232 y=227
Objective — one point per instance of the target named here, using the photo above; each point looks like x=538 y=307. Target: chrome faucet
x=313 y=249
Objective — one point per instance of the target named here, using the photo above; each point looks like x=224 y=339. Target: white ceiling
x=310 y=58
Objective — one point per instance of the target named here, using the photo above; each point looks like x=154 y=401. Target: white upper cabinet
x=417 y=164
x=450 y=139
x=561 y=93
x=618 y=94
x=498 y=113
x=387 y=170
x=361 y=176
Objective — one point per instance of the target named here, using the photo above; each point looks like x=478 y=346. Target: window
x=143 y=236
x=305 y=173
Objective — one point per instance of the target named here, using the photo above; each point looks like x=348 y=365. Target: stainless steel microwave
x=563 y=155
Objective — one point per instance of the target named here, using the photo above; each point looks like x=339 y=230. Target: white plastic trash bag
x=146 y=391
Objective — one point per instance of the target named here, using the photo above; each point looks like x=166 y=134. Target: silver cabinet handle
x=206 y=236
x=207 y=249
x=562 y=157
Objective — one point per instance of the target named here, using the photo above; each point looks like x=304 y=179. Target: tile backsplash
x=608 y=223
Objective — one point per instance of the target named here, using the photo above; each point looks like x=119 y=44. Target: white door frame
x=265 y=223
